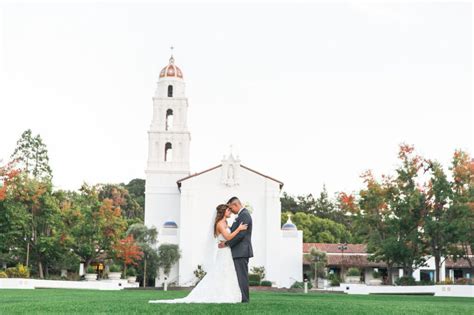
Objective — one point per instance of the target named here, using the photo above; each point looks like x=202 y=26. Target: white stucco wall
x=199 y=197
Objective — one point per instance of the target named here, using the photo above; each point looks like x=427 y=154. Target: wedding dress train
x=219 y=285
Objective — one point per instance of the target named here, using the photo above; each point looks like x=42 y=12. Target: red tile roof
x=355 y=255
x=459 y=263
x=333 y=248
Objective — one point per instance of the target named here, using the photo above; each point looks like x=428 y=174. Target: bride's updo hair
x=220 y=213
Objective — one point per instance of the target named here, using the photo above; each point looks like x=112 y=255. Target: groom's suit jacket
x=241 y=244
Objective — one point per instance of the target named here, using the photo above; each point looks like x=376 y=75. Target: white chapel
x=181 y=205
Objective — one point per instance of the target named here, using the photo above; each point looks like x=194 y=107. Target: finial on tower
x=171 y=58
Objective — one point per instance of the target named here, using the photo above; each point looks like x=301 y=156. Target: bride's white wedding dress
x=219 y=285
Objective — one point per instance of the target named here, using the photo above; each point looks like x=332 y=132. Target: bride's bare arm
x=222 y=228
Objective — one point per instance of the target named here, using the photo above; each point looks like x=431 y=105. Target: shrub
x=19 y=271
x=131 y=272
x=463 y=281
x=254 y=277
x=266 y=283
x=115 y=268
x=90 y=269
x=11 y=272
x=405 y=280
x=446 y=281
x=73 y=276
x=3 y=274
x=353 y=272
x=199 y=273
x=300 y=285
x=334 y=280
x=259 y=271
x=253 y=283
x=22 y=271
x=376 y=274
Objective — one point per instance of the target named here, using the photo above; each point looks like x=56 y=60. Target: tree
x=128 y=251
x=390 y=213
x=318 y=261
x=120 y=197
x=408 y=204
x=440 y=220
x=146 y=240
x=40 y=223
x=136 y=188
x=463 y=204
x=373 y=219
x=168 y=255
x=322 y=207
x=13 y=217
x=317 y=230
x=95 y=225
x=288 y=203
x=32 y=156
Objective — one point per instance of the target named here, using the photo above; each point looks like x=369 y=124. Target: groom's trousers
x=242 y=270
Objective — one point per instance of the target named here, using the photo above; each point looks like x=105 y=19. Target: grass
x=61 y=301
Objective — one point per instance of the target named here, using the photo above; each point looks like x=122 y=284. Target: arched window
x=169 y=119
x=168 y=152
x=170 y=91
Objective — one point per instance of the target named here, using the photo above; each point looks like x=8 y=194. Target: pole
x=306 y=286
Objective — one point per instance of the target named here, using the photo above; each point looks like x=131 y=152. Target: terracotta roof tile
x=459 y=263
x=333 y=248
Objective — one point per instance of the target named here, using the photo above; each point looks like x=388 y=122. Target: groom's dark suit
x=241 y=246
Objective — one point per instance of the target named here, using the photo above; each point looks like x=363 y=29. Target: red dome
x=171 y=70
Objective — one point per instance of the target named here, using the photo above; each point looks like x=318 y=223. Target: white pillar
x=451 y=274
x=416 y=274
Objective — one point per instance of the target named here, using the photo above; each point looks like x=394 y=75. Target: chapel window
x=168 y=152
x=169 y=119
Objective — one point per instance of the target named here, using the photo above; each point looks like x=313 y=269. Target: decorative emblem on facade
x=230 y=170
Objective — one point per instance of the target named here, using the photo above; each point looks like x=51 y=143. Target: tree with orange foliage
x=13 y=217
x=128 y=251
x=96 y=226
x=462 y=168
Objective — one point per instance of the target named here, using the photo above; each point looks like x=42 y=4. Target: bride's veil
x=210 y=244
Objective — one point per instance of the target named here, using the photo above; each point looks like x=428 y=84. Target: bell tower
x=168 y=147
x=168 y=137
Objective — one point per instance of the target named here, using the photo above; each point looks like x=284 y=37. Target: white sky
x=306 y=93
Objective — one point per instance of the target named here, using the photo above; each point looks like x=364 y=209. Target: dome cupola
x=171 y=70
x=289 y=226
x=170 y=225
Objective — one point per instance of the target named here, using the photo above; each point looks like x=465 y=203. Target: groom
x=241 y=245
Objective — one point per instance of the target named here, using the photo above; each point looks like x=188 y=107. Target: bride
x=220 y=284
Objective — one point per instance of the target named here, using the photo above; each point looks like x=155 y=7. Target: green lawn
x=58 y=301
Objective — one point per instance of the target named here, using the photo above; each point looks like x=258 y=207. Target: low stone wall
x=21 y=283
x=454 y=290
x=436 y=290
